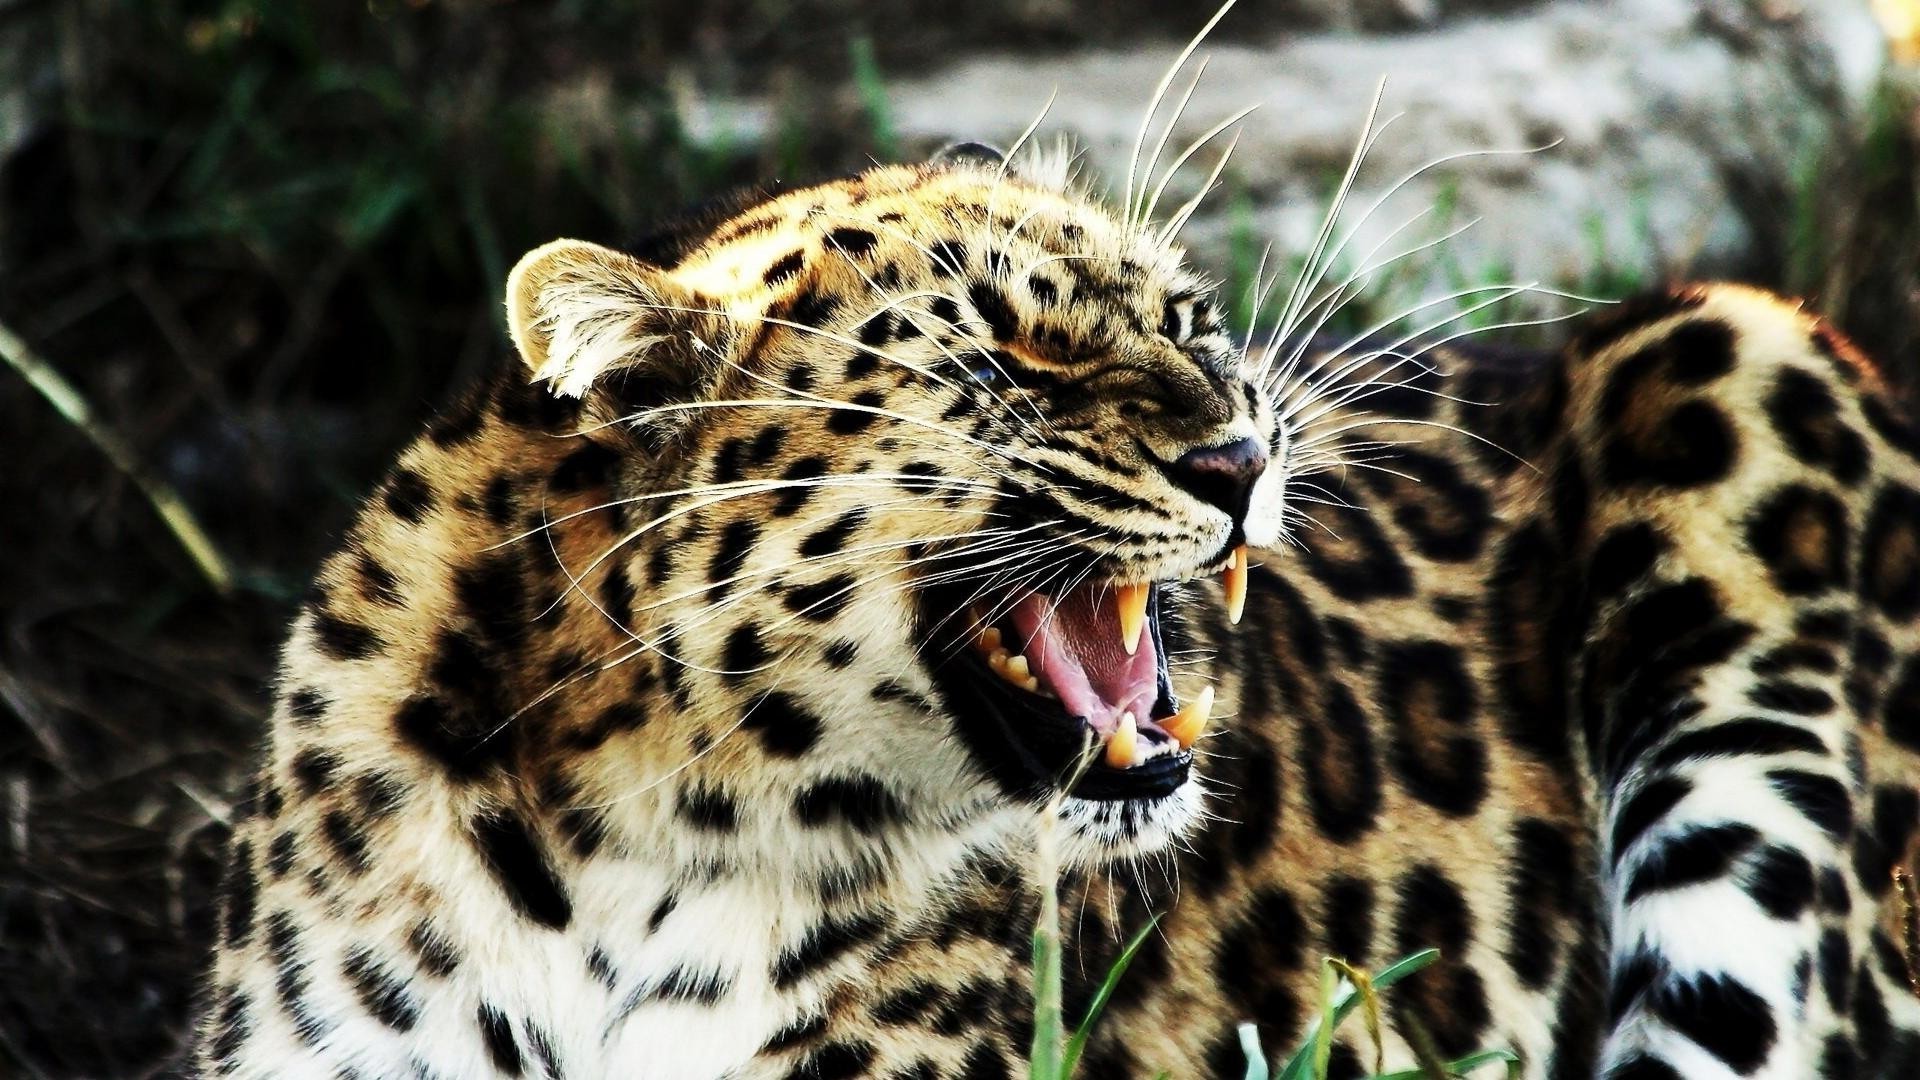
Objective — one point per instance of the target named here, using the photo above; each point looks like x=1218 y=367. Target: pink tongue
x=1073 y=645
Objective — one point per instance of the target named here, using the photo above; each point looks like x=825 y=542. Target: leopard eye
x=1200 y=317
x=1171 y=326
x=986 y=374
x=1184 y=317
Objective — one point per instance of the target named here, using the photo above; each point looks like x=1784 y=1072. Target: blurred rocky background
x=245 y=245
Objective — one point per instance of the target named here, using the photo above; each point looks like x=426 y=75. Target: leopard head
x=926 y=470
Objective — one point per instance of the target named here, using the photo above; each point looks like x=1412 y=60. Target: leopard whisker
x=1342 y=294
x=812 y=401
x=1507 y=291
x=856 y=553
x=977 y=542
x=1038 y=573
x=1309 y=269
x=1338 y=459
x=1153 y=106
x=981 y=542
x=1256 y=297
x=771 y=320
x=1180 y=217
x=1362 y=464
x=1027 y=133
x=678 y=628
x=1344 y=361
x=1160 y=146
x=837 y=480
x=1415 y=173
x=1020 y=225
x=755 y=487
x=1339 y=394
x=1006 y=162
x=1375 y=421
x=1353 y=393
x=1286 y=325
x=837 y=338
x=1330 y=400
x=1061 y=544
x=860 y=583
x=1314 y=385
x=913 y=315
x=1331 y=499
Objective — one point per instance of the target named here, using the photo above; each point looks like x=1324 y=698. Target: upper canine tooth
x=1187 y=725
x=1132 y=603
x=1236 y=582
x=1120 y=744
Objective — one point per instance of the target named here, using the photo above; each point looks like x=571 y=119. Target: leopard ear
x=579 y=312
x=976 y=154
x=1048 y=165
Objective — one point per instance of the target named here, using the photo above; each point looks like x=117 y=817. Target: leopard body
x=617 y=738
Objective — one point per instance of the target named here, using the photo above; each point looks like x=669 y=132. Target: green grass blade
x=1256 y=1056
x=1460 y=1067
x=1300 y=1065
x=1099 y=1002
x=1323 y=1031
x=872 y=90
x=166 y=501
x=1044 y=1060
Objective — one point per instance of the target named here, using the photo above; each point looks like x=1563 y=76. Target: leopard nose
x=1221 y=476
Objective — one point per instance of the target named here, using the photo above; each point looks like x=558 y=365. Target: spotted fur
x=612 y=742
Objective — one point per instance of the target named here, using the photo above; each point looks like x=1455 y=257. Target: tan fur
x=615 y=741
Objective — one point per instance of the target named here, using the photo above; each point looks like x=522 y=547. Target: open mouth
x=1046 y=677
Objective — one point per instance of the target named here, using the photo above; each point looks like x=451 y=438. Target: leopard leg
x=1746 y=523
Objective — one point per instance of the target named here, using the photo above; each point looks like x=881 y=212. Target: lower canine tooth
x=990 y=638
x=1236 y=584
x=1120 y=744
x=1017 y=668
x=1187 y=725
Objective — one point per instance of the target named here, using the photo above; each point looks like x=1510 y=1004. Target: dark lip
x=1028 y=744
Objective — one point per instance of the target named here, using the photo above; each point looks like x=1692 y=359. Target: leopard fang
x=1120 y=744
x=1187 y=725
x=1132 y=603
x=1236 y=582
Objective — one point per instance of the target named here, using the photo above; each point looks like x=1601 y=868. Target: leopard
x=840 y=582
